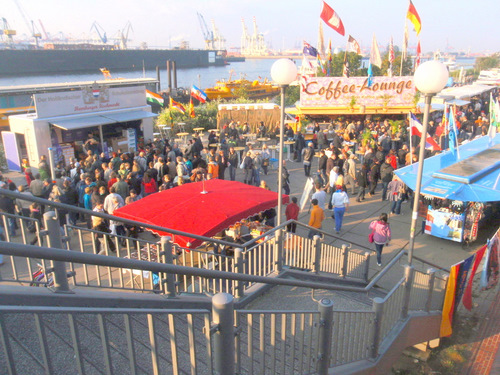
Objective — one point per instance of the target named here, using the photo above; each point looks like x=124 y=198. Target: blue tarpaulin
x=474 y=177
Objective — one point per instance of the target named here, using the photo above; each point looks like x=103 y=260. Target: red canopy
x=186 y=209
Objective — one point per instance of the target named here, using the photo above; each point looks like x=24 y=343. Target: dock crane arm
x=207 y=34
x=98 y=28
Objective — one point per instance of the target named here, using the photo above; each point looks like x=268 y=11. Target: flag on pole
x=345 y=70
x=309 y=50
x=453 y=132
x=329 y=55
x=354 y=45
x=370 y=75
x=392 y=57
x=467 y=298
x=332 y=19
x=176 y=105
x=449 y=302
x=419 y=54
x=417 y=129
x=414 y=18
x=494 y=120
x=320 y=63
x=191 y=109
x=375 y=58
x=462 y=279
x=198 y=94
x=489 y=274
x=154 y=98
x=404 y=51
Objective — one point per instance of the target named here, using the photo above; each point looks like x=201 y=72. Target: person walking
x=248 y=167
x=340 y=204
x=285 y=176
x=308 y=154
x=316 y=219
x=386 y=174
x=232 y=160
x=396 y=193
x=362 y=180
x=381 y=235
x=292 y=213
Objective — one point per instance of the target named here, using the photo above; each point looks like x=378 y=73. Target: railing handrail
x=92 y=310
x=15 y=249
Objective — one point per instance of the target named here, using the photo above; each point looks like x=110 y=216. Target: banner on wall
x=331 y=92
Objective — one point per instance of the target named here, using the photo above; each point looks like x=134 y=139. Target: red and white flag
x=416 y=129
x=332 y=19
x=419 y=54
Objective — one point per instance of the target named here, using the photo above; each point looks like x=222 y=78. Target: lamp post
x=430 y=78
x=283 y=72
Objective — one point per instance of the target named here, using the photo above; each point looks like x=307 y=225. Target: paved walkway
x=442 y=253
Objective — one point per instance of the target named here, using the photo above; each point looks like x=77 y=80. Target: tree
x=488 y=62
x=396 y=65
x=335 y=68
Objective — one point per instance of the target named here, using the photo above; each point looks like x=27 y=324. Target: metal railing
x=266 y=340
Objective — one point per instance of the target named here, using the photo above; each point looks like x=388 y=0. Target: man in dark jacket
x=322 y=161
x=308 y=158
x=374 y=176
x=362 y=180
x=7 y=206
x=70 y=196
x=386 y=174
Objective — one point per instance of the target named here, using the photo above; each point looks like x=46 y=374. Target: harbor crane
x=7 y=31
x=219 y=40
x=124 y=35
x=207 y=34
x=100 y=31
x=29 y=24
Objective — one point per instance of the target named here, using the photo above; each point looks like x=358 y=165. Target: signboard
x=11 y=151
x=344 y=92
x=306 y=194
x=445 y=225
x=131 y=141
x=92 y=98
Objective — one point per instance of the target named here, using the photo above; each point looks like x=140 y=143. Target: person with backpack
x=380 y=236
x=396 y=193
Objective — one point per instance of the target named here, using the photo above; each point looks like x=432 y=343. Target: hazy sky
x=458 y=25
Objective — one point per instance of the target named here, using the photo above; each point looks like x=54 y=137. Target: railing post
x=223 y=323
x=239 y=262
x=54 y=240
x=325 y=308
x=367 y=265
x=345 y=255
x=432 y=277
x=409 y=273
x=378 y=309
x=278 y=248
x=166 y=248
x=317 y=254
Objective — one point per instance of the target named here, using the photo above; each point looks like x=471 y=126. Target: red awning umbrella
x=186 y=209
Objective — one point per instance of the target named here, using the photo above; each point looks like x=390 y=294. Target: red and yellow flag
x=191 y=109
x=414 y=18
x=176 y=105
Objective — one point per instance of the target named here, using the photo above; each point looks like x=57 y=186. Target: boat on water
x=232 y=89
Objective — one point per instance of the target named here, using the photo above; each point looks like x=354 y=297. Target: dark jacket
x=386 y=172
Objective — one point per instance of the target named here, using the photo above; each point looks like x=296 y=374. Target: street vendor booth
x=460 y=187
x=117 y=117
x=202 y=208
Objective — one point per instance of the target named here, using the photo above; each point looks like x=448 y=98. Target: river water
x=251 y=69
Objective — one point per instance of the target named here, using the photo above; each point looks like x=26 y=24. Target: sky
x=447 y=25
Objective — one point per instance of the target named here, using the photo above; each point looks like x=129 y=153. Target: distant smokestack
x=158 y=85
x=174 y=69
x=169 y=74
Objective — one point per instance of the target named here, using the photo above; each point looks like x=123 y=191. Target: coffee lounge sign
x=354 y=92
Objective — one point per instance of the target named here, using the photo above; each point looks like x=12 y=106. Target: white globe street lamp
x=283 y=72
x=430 y=78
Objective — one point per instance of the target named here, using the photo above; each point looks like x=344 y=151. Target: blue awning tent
x=475 y=177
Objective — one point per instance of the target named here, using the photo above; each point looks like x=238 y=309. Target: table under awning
x=474 y=177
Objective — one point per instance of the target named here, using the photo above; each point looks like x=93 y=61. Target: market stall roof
x=185 y=208
x=81 y=122
x=475 y=177
x=465 y=92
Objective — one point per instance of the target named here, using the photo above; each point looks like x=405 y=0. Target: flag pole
x=409 y=122
x=405 y=48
